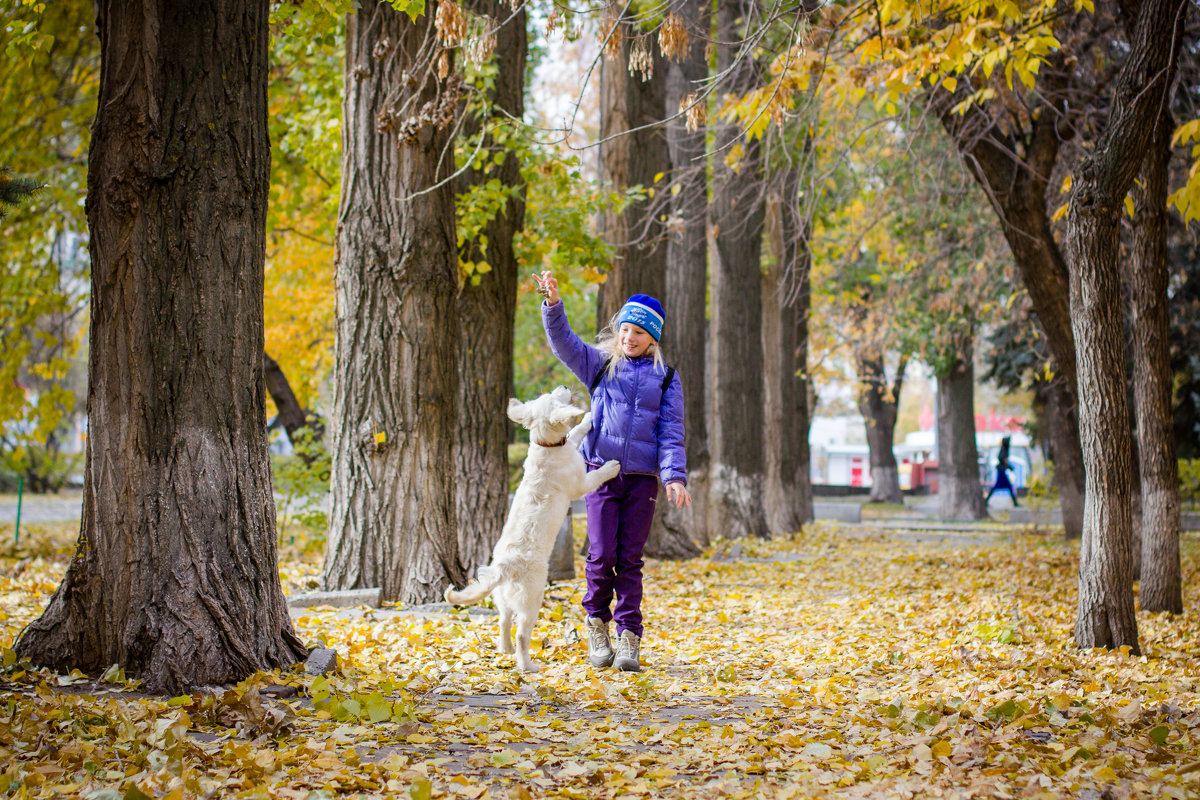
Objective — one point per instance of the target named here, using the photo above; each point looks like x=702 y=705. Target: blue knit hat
x=645 y=312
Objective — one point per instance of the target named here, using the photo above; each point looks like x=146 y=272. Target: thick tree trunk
x=627 y=102
x=1106 y=610
x=1014 y=172
x=486 y=315
x=1161 y=582
x=176 y=575
x=788 y=493
x=960 y=494
x=675 y=530
x=878 y=403
x=393 y=520
x=738 y=471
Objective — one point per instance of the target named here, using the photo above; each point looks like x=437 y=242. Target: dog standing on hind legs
x=554 y=475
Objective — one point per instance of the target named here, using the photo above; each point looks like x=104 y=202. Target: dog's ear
x=518 y=412
x=565 y=414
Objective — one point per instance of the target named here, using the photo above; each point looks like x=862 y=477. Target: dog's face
x=548 y=418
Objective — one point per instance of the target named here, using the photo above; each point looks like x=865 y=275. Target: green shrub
x=1041 y=489
x=516 y=464
x=302 y=489
x=1189 y=482
x=44 y=467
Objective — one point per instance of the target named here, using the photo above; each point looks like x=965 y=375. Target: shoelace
x=599 y=639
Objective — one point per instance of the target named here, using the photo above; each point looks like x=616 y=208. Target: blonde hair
x=608 y=343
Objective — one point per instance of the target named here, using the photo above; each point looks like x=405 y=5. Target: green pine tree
x=14 y=190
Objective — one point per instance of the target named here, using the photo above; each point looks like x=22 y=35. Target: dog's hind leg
x=524 y=640
x=504 y=642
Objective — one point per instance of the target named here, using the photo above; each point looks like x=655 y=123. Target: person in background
x=1002 y=468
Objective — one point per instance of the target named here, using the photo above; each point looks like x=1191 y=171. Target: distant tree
x=1161 y=582
x=633 y=152
x=735 y=507
x=177 y=481
x=786 y=299
x=959 y=493
x=489 y=271
x=47 y=103
x=675 y=530
x=878 y=402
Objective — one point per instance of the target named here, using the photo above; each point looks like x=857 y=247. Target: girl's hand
x=548 y=286
x=678 y=494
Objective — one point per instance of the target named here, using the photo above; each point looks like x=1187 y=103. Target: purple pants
x=619 y=515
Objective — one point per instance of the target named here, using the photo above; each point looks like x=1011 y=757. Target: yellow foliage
x=298 y=310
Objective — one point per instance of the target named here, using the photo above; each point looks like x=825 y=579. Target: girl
x=637 y=418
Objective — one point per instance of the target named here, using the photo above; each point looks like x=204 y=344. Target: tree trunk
x=878 y=403
x=627 y=102
x=175 y=576
x=676 y=530
x=291 y=415
x=393 y=519
x=1014 y=172
x=1161 y=582
x=486 y=315
x=788 y=493
x=960 y=494
x=738 y=471
x=1106 y=611
x=1062 y=419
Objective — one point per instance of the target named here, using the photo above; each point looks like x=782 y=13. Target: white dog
x=555 y=474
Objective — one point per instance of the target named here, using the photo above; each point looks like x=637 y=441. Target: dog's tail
x=489 y=578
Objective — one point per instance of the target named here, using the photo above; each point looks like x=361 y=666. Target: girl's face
x=633 y=341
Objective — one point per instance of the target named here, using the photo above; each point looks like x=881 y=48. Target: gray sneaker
x=600 y=651
x=627 y=659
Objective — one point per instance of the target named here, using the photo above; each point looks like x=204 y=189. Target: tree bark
x=1062 y=418
x=630 y=157
x=1161 y=581
x=393 y=522
x=1014 y=172
x=738 y=472
x=676 y=531
x=878 y=403
x=788 y=492
x=960 y=494
x=175 y=576
x=487 y=311
x=1106 y=611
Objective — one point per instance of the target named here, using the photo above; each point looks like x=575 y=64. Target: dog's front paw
x=585 y=424
x=611 y=469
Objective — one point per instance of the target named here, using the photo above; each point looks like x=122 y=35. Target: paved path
x=62 y=507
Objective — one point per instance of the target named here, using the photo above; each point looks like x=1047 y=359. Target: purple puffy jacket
x=633 y=419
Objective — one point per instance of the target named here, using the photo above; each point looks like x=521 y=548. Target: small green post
x=20 y=494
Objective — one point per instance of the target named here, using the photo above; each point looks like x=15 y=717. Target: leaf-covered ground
x=841 y=663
